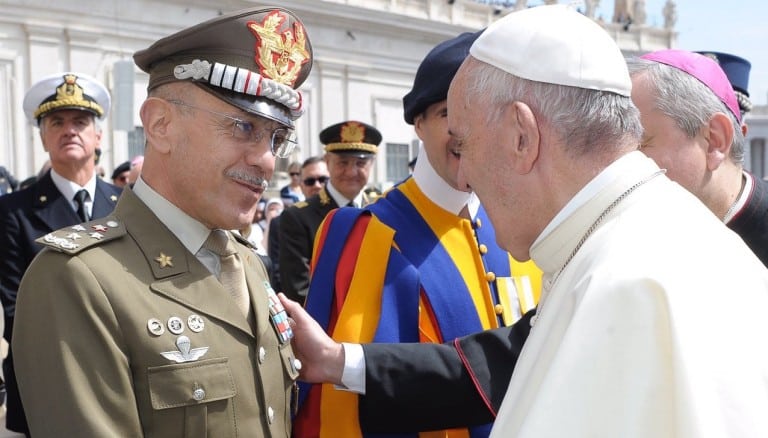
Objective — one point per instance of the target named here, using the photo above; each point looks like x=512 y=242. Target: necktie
x=231 y=275
x=80 y=197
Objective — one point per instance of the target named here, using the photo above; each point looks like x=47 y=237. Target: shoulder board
x=301 y=204
x=74 y=239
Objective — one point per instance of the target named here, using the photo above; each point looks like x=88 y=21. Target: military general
x=162 y=323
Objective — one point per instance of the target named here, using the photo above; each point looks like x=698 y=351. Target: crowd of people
x=581 y=294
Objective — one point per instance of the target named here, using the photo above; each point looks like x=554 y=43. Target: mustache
x=248 y=178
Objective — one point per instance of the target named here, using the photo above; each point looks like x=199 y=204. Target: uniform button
x=490 y=276
x=262 y=354
x=297 y=365
x=483 y=248
x=270 y=414
x=198 y=394
x=478 y=223
x=499 y=309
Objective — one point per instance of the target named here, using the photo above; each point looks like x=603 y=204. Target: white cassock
x=657 y=327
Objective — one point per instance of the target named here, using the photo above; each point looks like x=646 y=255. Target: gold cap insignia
x=352 y=132
x=280 y=54
x=69 y=94
x=351 y=137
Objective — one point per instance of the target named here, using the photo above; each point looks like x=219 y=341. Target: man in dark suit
x=66 y=107
x=350 y=148
x=313 y=176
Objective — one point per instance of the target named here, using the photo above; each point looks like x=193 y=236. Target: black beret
x=254 y=59
x=351 y=137
x=435 y=74
x=123 y=167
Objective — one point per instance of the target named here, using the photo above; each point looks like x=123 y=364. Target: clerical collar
x=440 y=192
x=68 y=188
x=190 y=232
x=611 y=173
x=744 y=196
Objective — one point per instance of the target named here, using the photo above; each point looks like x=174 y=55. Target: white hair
x=588 y=121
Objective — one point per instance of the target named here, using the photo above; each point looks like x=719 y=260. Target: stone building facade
x=366 y=54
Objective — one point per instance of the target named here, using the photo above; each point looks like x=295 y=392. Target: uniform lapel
x=179 y=276
x=256 y=288
x=104 y=201
x=198 y=289
x=51 y=207
x=325 y=203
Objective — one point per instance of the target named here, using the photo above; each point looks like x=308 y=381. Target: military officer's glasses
x=282 y=142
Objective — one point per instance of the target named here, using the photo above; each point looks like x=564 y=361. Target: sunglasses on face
x=294 y=173
x=312 y=181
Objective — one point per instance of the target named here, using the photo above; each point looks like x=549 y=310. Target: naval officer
x=68 y=108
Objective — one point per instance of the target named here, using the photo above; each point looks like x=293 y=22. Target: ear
x=417 y=124
x=156 y=116
x=719 y=139
x=528 y=140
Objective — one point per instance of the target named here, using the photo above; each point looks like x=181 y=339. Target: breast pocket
x=194 y=395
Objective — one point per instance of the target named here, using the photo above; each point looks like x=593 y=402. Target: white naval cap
x=557 y=45
x=66 y=90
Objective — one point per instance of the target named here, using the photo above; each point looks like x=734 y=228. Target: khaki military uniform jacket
x=95 y=350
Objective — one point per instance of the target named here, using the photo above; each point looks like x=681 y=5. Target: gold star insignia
x=164 y=260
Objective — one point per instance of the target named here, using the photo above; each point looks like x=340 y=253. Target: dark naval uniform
x=176 y=356
x=298 y=226
x=30 y=214
x=751 y=223
x=25 y=216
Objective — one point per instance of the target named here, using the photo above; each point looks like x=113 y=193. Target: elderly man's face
x=217 y=177
x=349 y=173
x=666 y=143
x=70 y=137
x=485 y=164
